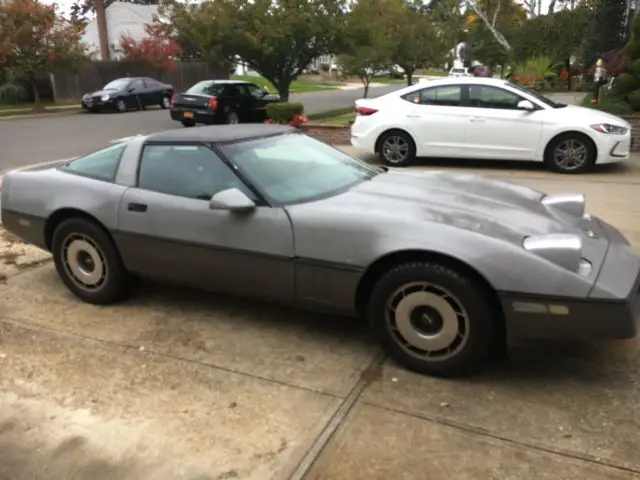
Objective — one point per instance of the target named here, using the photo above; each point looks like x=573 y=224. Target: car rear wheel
x=121 y=106
x=232 y=117
x=188 y=123
x=397 y=149
x=166 y=102
x=570 y=153
x=88 y=263
x=432 y=319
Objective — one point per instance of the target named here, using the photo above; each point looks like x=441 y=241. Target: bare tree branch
x=496 y=34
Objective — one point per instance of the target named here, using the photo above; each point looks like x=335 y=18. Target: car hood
x=99 y=93
x=484 y=205
x=591 y=116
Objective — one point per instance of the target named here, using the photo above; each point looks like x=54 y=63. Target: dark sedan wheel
x=570 y=153
x=432 y=319
x=166 y=102
x=397 y=149
x=121 y=106
x=232 y=117
x=88 y=263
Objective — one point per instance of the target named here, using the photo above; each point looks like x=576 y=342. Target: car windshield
x=117 y=84
x=207 y=87
x=457 y=70
x=537 y=96
x=294 y=168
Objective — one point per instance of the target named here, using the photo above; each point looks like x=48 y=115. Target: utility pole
x=103 y=33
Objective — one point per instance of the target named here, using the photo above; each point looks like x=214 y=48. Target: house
x=122 y=18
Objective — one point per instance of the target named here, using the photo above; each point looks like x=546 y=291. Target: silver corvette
x=445 y=267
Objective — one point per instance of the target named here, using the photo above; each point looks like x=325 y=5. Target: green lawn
x=613 y=104
x=298 y=86
x=339 y=117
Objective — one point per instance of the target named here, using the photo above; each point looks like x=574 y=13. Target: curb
x=28 y=116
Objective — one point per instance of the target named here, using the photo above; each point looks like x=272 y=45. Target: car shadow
x=538 y=361
x=620 y=168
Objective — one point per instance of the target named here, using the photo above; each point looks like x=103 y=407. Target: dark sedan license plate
x=188 y=114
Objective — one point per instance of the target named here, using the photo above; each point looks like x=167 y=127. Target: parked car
x=443 y=266
x=128 y=93
x=459 y=72
x=486 y=118
x=221 y=101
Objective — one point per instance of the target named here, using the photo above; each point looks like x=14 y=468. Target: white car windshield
x=537 y=96
x=117 y=84
x=457 y=70
x=294 y=168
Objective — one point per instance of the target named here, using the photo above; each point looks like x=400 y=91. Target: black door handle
x=137 y=207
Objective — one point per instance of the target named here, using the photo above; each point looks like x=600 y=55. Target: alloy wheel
x=570 y=154
x=395 y=149
x=232 y=118
x=122 y=107
x=84 y=262
x=427 y=321
x=166 y=102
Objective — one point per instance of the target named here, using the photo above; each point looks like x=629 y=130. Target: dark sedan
x=221 y=101
x=129 y=93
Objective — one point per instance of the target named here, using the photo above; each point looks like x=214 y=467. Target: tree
x=373 y=32
x=417 y=43
x=155 y=53
x=277 y=38
x=35 y=41
x=449 y=22
x=606 y=30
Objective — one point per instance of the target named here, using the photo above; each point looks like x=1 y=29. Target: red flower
x=268 y=121
x=564 y=75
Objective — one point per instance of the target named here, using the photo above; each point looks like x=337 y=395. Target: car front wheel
x=570 y=153
x=88 y=263
x=397 y=149
x=432 y=319
x=121 y=106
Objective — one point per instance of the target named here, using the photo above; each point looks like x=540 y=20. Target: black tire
x=69 y=236
x=576 y=142
x=397 y=149
x=470 y=312
x=231 y=117
x=165 y=102
x=188 y=123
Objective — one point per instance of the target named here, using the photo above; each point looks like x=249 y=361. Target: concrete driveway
x=26 y=141
x=178 y=384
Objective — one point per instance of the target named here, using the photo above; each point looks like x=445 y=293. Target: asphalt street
x=33 y=140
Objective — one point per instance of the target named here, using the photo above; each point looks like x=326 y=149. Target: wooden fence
x=94 y=75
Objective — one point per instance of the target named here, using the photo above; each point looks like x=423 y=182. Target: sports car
x=445 y=267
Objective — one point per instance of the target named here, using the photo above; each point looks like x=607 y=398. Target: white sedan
x=486 y=118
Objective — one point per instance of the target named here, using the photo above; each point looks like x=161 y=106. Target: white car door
x=497 y=129
x=438 y=120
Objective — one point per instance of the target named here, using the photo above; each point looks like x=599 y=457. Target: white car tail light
x=365 y=111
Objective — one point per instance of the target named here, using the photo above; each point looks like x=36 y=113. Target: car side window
x=101 y=165
x=232 y=91
x=151 y=83
x=190 y=171
x=444 y=96
x=483 y=96
x=137 y=84
x=255 y=91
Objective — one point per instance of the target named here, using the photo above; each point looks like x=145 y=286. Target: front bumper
x=97 y=105
x=614 y=148
x=610 y=311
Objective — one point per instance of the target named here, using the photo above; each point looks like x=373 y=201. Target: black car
x=129 y=93
x=221 y=101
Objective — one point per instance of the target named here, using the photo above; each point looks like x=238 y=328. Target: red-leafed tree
x=158 y=54
x=35 y=41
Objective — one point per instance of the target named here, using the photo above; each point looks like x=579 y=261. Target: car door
x=137 y=93
x=168 y=231
x=239 y=100
x=437 y=118
x=257 y=104
x=496 y=128
x=154 y=91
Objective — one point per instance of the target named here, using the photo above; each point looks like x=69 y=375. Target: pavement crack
x=132 y=349
x=482 y=432
x=311 y=456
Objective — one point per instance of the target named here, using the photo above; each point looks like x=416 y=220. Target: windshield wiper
x=560 y=105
